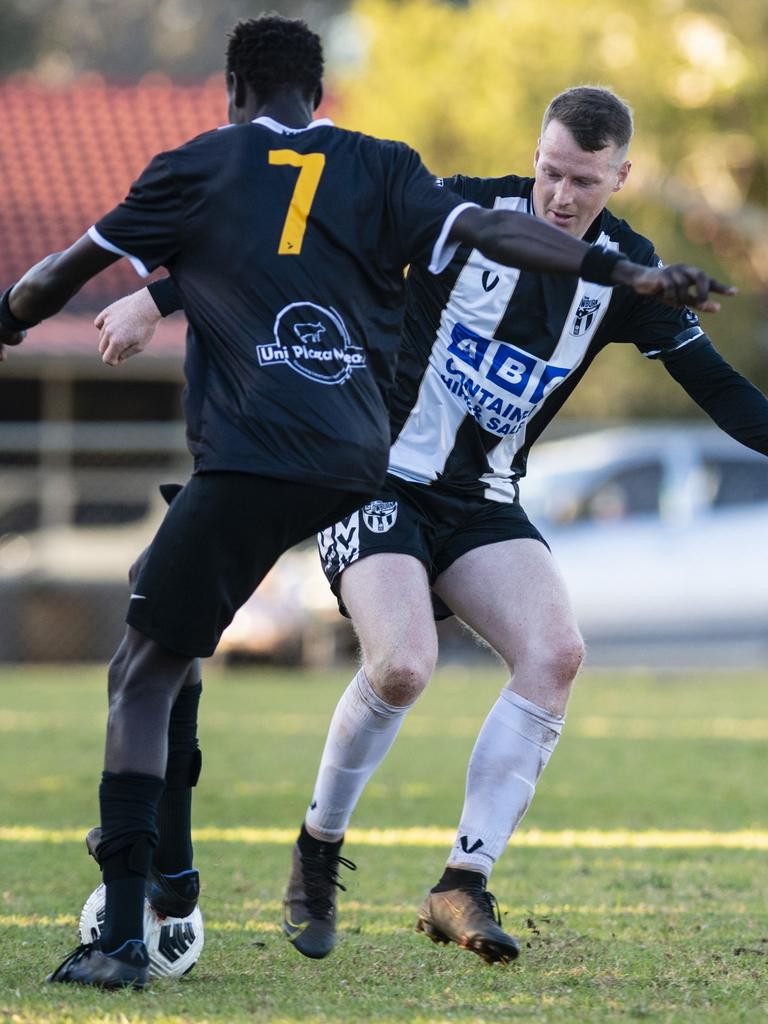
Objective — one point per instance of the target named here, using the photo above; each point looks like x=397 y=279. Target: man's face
x=573 y=185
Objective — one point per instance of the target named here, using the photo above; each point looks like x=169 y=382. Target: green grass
x=610 y=933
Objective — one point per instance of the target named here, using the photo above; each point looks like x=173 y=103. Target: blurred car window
x=734 y=482
x=20 y=517
x=628 y=492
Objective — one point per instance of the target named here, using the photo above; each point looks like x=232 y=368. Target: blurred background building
x=90 y=90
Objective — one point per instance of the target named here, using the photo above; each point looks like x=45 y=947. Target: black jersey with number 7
x=288 y=248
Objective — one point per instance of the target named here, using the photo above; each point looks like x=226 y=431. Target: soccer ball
x=174 y=944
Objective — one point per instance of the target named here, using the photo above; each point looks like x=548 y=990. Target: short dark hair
x=271 y=52
x=593 y=115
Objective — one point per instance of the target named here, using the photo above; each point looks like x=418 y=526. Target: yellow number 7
x=310 y=169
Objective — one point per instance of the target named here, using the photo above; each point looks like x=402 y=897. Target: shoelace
x=487 y=902
x=321 y=876
x=78 y=953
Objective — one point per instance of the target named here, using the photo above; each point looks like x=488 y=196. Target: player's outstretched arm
x=732 y=401
x=519 y=240
x=48 y=286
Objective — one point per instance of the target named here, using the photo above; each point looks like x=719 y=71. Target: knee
x=558 y=657
x=399 y=677
x=142 y=671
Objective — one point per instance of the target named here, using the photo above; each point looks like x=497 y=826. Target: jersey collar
x=275 y=126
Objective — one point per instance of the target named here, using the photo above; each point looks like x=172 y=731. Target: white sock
x=510 y=753
x=362 y=730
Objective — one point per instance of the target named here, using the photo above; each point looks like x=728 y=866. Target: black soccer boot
x=309 y=907
x=173 y=895
x=128 y=967
x=468 y=916
x=169 y=896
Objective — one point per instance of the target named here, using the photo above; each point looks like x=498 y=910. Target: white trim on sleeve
x=101 y=241
x=443 y=252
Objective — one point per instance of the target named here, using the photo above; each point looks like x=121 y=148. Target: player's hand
x=126 y=327
x=676 y=285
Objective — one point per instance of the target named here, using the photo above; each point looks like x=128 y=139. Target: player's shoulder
x=485 y=191
x=386 y=150
x=199 y=146
x=213 y=137
x=639 y=248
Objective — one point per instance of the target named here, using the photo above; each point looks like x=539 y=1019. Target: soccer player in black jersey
x=286 y=239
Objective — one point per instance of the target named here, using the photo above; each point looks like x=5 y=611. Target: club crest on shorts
x=380 y=516
x=584 y=316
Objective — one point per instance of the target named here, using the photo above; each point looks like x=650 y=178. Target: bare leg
x=513 y=595
x=144 y=681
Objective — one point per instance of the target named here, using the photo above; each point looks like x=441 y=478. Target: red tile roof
x=68 y=155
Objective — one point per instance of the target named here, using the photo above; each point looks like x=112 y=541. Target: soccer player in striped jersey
x=489 y=355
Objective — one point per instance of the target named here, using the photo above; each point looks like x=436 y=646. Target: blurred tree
x=467 y=85
x=184 y=38
x=19 y=37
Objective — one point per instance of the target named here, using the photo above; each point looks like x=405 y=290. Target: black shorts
x=415 y=519
x=220 y=537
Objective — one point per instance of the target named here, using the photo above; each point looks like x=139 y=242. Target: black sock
x=128 y=811
x=174 y=850
x=458 y=878
x=174 y=853
x=308 y=843
x=124 y=911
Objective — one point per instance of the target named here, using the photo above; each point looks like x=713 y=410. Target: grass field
x=639 y=884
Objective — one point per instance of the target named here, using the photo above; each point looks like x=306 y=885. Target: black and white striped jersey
x=490 y=353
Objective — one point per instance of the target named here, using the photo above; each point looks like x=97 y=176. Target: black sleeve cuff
x=165 y=295
x=11 y=322
x=598 y=263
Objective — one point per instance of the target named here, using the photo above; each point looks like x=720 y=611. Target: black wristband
x=9 y=321
x=165 y=296
x=597 y=265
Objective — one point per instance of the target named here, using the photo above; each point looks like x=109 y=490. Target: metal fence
x=78 y=502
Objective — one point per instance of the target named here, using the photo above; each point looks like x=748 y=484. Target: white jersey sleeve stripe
x=102 y=242
x=443 y=252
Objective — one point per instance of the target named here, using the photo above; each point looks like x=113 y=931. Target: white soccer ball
x=174 y=944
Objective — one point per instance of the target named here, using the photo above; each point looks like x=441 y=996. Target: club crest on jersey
x=312 y=340
x=380 y=516
x=585 y=314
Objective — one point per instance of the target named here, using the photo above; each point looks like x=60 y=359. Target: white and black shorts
x=418 y=520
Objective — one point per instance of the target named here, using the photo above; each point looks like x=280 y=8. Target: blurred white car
x=660 y=531
x=291 y=619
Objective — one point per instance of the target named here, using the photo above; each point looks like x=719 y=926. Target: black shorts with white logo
x=220 y=537
x=418 y=520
